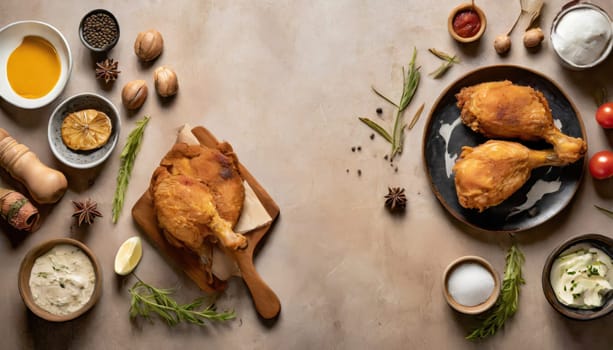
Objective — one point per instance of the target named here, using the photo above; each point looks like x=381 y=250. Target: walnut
x=148 y=45
x=134 y=94
x=166 y=82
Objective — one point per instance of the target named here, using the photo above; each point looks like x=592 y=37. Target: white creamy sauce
x=62 y=280
x=470 y=284
x=535 y=194
x=582 y=36
x=582 y=276
x=445 y=131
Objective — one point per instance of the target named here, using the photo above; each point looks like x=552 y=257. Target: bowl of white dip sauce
x=578 y=277
x=471 y=285
x=582 y=35
x=60 y=280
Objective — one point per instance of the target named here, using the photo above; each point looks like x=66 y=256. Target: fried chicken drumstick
x=488 y=174
x=504 y=110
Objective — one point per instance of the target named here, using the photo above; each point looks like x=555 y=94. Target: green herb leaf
x=507 y=302
x=383 y=97
x=127 y=157
x=444 y=67
x=147 y=300
x=416 y=116
x=376 y=127
x=604 y=210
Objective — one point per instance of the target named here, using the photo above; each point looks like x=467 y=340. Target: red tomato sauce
x=466 y=23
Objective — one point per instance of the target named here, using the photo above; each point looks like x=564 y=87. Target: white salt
x=582 y=36
x=470 y=284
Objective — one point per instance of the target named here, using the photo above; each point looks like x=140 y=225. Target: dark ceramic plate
x=601 y=242
x=548 y=190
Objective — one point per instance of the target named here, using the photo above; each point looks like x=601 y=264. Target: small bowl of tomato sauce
x=466 y=23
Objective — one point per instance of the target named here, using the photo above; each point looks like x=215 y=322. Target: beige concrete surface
x=284 y=82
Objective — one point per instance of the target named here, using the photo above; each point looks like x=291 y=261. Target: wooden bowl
x=480 y=308
x=598 y=241
x=24 y=279
x=465 y=7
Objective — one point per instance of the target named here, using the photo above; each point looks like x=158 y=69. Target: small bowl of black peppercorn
x=99 y=30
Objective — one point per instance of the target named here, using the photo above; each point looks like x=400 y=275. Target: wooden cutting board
x=266 y=301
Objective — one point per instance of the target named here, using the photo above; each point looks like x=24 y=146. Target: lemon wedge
x=128 y=256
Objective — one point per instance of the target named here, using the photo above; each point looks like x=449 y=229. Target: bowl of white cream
x=578 y=277
x=582 y=35
x=471 y=285
x=60 y=280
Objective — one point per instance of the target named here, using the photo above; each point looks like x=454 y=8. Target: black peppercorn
x=379 y=110
x=100 y=30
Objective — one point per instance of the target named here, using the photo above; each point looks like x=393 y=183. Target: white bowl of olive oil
x=37 y=62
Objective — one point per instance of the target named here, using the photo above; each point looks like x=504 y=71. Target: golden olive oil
x=33 y=68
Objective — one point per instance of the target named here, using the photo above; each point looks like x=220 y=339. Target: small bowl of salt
x=582 y=35
x=471 y=285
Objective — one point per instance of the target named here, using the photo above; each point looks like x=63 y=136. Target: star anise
x=86 y=211
x=107 y=70
x=395 y=198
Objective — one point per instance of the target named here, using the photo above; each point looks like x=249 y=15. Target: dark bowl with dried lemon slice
x=83 y=130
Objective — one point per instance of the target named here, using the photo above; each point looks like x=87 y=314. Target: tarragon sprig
x=410 y=82
x=147 y=300
x=127 y=157
x=449 y=61
x=507 y=302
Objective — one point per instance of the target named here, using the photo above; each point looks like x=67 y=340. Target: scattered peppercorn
x=347 y=171
x=100 y=30
x=386 y=157
x=359 y=148
x=379 y=110
x=359 y=172
x=352 y=149
x=372 y=136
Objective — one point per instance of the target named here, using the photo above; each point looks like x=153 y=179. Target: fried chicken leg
x=504 y=110
x=189 y=210
x=488 y=174
x=198 y=196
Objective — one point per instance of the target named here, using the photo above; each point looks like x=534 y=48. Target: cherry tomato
x=601 y=165
x=604 y=115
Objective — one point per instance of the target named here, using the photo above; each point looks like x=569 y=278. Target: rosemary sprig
x=147 y=300
x=127 y=157
x=410 y=82
x=449 y=61
x=507 y=302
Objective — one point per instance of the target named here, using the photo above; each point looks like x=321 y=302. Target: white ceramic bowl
x=82 y=159
x=11 y=37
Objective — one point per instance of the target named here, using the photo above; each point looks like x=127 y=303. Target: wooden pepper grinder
x=45 y=185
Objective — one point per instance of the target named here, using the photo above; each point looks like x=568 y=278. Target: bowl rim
x=107 y=47
x=482 y=18
x=569 y=312
x=484 y=306
x=564 y=11
x=24 y=278
x=114 y=141
x=57 y=90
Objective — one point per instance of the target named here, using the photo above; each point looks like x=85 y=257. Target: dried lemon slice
x=86 y=130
